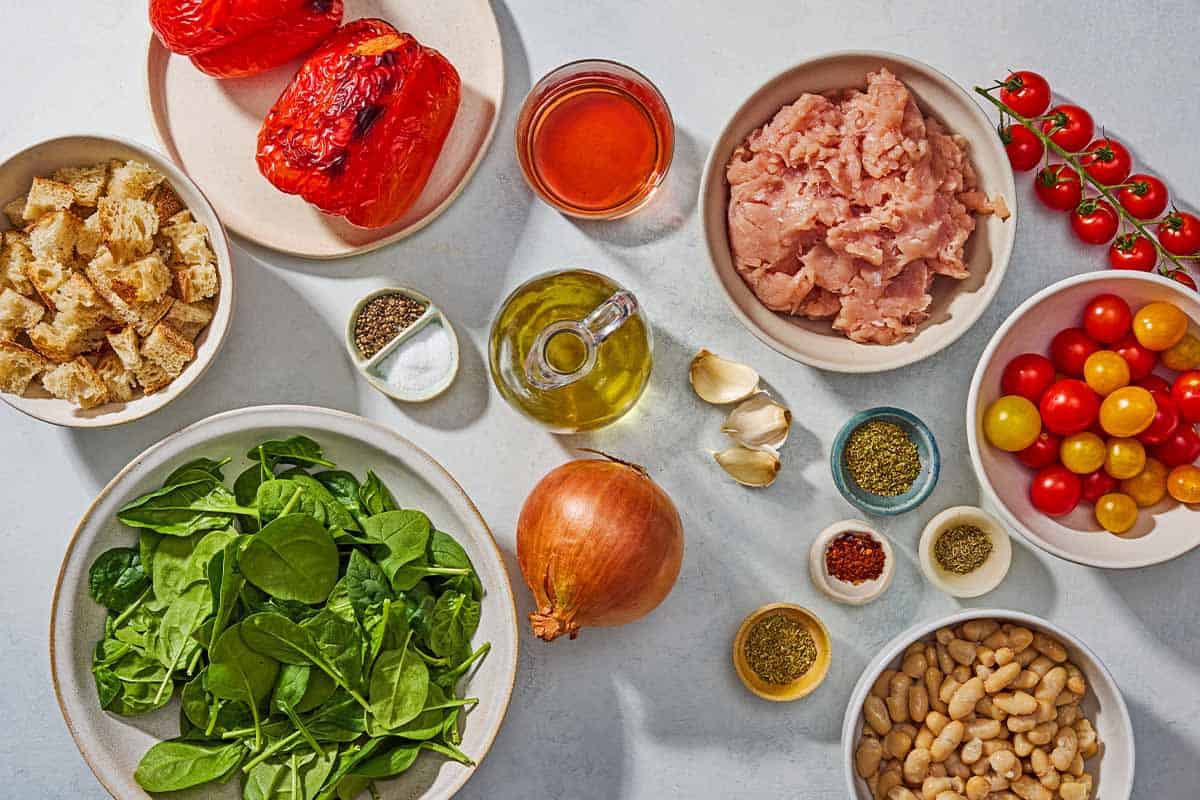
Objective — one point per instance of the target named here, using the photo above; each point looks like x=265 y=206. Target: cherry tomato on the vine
x=1132 y=251
x=1141 y=359
x=1069 y=407
x=1024 y=150
x=1144 y=196
x=1186 y=394
x=1179 y=276
x=1055 y=490
x=1028 y=375
x=1179 y=233
x=1070 y=348
x=1096 y=485
x=1026 y=93
x=1116 y=512
x=1166 y=419
x=1058 y=187
x=1069 y=126
x=1106 y=318
x=1181 y=447
x=1042 y=453
x=1094 y=221
x=1107 y=161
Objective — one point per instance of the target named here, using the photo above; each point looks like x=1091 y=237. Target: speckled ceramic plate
x=209 y=127
x=112 y=745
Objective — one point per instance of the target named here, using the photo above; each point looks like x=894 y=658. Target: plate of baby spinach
x=283 y=603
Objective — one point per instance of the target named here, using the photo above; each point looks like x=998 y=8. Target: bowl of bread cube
x=116 y=282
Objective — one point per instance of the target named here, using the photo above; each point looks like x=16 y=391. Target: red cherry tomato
x=1155 y=384
x=1183 y=447
x=1107 y=318
x=1179 y=233
x=1069 y=350
x=1095 y=222
x=1068 y=407
x=1096 y=484
x=1069 y=127
x=1028 y=375
x=1024 y=150
x=1107 y=161
x=1058 y=187
x=1042 y=453
x=1132 y=251
x=1179 y=276
x=1144 y=196
x=1026 y=93
x=1166 y=417
x=1055 y=490
x=1141 y=360
x=1186 y=394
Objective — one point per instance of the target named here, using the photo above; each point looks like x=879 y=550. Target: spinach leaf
x=290 y=685
x=173 y=765
x=195 y=569
x=182 y=509
x=444 y=551
x=347 y=760
x=210 y=715
x=366 y=585
x=340 y=719
x=285 y=496
x=403 y=535
x=340 y=642
x=225 y=583
x=419 y=603
x=375 y=497
x=187 y=472
x=291 y=777
x=277 y=636
x=116 y=578
x=174 y=645
x=334 y=514
x=409 y=575
x=236 y=672
x=399 y=686
x=168 y=572
x=389 y=764
x=245 y=491
x=147 y=543
x=352 y=787
x=345 y=487
x=453 y=622
x=291 y=558
x=298 y=450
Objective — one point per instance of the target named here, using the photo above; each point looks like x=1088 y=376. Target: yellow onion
x=599 y=543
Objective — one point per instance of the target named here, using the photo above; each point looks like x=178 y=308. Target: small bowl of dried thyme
x=781 y=652
x=965 y=551
x=885 y=461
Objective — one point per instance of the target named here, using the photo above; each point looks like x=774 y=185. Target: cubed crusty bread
x=133 y=180
x=78 y=297
x=46 y=275
x=151 y=377
x=45 y=196
x=53 y=236
x=195 y=282
x=18 y=313
x=190 y=318
x=18 y=366
x=65 y=337
x=127 y=226
x=87 y=183
x=126 y=346
x=14 y=256
x=15 y=211
x=78 y=382
x=87 y=239
x=168 y=348
x=117 y=379
x=166 y=202
x=143 y=281
x=190 y=239
x=150 y=314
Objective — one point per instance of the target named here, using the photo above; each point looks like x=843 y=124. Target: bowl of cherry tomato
x=1083 y=419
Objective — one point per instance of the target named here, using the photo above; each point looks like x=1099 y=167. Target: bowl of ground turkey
x=858 y=211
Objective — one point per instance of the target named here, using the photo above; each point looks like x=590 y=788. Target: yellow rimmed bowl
x=806 y=683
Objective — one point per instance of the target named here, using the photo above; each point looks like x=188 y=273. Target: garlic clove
x=718 y=380
x=759 y=423
x=749 y=467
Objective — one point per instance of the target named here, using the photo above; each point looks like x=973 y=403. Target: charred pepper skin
x=358 y=130
x=234 y=38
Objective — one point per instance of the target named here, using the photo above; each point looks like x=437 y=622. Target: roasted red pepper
x=231 y=38
x=359 y=128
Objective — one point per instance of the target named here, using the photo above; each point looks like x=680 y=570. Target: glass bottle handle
x=592 y=330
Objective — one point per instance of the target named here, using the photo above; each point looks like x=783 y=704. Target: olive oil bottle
x=571 y=350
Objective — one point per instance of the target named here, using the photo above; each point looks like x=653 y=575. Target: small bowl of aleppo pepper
x=781 y=652
x=885 y=461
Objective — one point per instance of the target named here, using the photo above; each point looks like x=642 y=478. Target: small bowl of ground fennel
x=885 y=461
x=781 y=652
x=965 y=551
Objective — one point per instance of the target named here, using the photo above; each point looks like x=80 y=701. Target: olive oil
x=571 y=350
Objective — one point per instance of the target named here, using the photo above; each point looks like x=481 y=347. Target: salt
x=421 y=362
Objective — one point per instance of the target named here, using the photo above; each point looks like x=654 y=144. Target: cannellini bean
x=964 y=699
x=933 y=684
x=1026 y=680
x=948 y=688
x=978 y=788
x=1027 y=788
x=932 y=786
x=1074 y=790
x=876 y=715
x=901 y=793
x=916 y=766
x=982 y=671
x=1039 y=761
x=1025 y=657
x=1075 y=680
x=918 y=702
x=1077 y=766
x=944 y=662
x=1051 y=685
x=962 y=652
x=1002 y=677
x=1043 y=733
x=1045 y=711
x=949 y=795
x=1086 y=735
x=986 y=656
x=980 y=767
x=1018 y=703
x=897 y=699
x=1050 y=647
x=943 y=635
x=979 y=629
x=962 y=673
x=1021 y=745
x=1051 y=780
x=1019 y=638
x=1021 y=724
x=888 y=780
x=986 y=708
x=1066 y=697
x=947 y=741
x=897 y=743
x=971 y=752
x=1068 y=715
x=955 y=767
x=867 y=757
x=1005 y=764
x=984 y=729
x=935 y=721
x=937 y=771
x=882 y=683
x=914 y=665
x=1041 y=665
x=1004 y=655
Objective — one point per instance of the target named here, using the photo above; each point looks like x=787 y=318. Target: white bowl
x=112 y=745
x=985 y=577
x=19 y=170
x=1104 y=705
x=956 y=304
x=1162 y=532
x=842 y=591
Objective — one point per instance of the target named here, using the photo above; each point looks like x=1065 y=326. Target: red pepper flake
x=855 y=558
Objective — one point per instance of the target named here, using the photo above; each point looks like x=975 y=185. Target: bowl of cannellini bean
x=984 y=704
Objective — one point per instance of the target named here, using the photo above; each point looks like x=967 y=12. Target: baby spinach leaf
x=335 y=515
x=366 y=585
x=453 y=622
x=429 y=722
x=277 y=636
x=339 y=719
x=298 y=450
x=403 y=534
x=345 y=487
x=346 y=761
x=399 y=686
x=245 y=490
x=147 y=543
x=225 y=583
x=127 y=680
x=291 y=558
x=409 y=575
x=444 y=551
x=195 y=569
x=169 y=571
x=209 y=713
x=375 y=497
x=297 y=776
x=237 y=672
x=340 y=642
x=285 y=496
x=190 y=470
x=183 y=509
x=174 y=764
x=389 y=764
x=187 y=612
x=352 y=787
x=290 y=685
x=116 y=578
x=319 y=689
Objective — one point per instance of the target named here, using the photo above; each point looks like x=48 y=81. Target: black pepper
x=382 y=319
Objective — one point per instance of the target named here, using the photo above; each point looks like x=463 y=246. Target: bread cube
x=196 y=282
x=46 y=196
x=87 y=239
x=18 y=366
x=168 y=348
x=118 y=380
x=143 y=281
x=166 y=202
x=87 y=183
x=78 y=297
x=127 y=227
x=78 y=382
x=14 y=256
x=190 y=318
x=46 y=275
x=53 y=236
x=151 y=377
x=15 y=211
x=189 y=238
x=125 y=345
x=133 y=180
x=18 y=313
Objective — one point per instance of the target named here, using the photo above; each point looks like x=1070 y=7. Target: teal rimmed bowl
x=927 y=450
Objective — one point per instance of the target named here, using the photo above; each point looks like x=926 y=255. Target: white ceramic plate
x=112 y=745
x=1104 y=705
x=18 y=172
x=956 y=304
x=1161 y=533
x=210 y=128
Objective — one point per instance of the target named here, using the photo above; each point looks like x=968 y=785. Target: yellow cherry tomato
x=1125 y=458
x=1159 y=326
x=1082 y=453
x=1116 y=512
x=1184 y=483
x=1012 y=423
x=1105 y=372
x=1148 y=486
x=1183 y=355
x=1128 y=411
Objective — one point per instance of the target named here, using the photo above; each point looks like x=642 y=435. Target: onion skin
x=599 y=543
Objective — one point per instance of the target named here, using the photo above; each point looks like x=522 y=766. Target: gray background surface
x=652 y=710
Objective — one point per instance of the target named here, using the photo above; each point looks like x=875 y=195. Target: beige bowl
x=956 y=304
x=806 y=683
x=18 y=171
